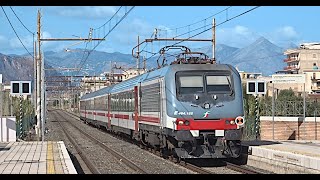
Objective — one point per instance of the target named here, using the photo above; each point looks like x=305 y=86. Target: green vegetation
x=286 y=103
x=11 y=106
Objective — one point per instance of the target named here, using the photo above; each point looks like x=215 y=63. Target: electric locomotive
x=192 y=108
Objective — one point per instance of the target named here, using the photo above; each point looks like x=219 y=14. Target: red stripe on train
x=122 y=116
x=206 y=124
x=149 y=119
x=101 y=114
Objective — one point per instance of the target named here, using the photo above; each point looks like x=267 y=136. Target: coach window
x=92 y=104
x=131 y=102
x=119 y=102
x=113 y=102
x=122 y=102
x=127 y=102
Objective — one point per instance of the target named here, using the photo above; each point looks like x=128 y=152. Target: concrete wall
x=292 y=128
x=8 y=129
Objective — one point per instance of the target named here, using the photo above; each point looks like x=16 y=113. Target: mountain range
x=260 y=56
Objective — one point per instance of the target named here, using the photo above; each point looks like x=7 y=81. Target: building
x=303 y=60
x=94 y=83
x=245 y=76
x=305 y=57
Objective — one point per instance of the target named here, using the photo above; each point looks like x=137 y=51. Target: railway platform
x=285 y=157
x=35 y=157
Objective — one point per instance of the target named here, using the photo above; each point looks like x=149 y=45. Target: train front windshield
x=203 y=82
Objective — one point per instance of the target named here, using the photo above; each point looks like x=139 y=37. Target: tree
x=288 y=95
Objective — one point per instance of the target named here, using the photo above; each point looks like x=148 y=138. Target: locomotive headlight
x=232 y=122
x=180 y=122
x=186 y=122
x=239 y=121
x=215 y=97
x=206 y=105
x=196 y=97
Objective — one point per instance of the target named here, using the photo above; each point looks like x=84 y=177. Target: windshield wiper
x=230 y=86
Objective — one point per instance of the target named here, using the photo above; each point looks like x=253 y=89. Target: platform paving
x=35 y=157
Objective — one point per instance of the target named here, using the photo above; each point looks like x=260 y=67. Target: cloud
x=165 y=32
x=283 y=35
x=26 y=40
x=238 y=36
x=126 y=34
x=87 y=11
x=3 y=40
x=53 y=45
x=287 y=32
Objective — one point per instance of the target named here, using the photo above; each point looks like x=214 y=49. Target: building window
x=315 y=66
x=314 y=55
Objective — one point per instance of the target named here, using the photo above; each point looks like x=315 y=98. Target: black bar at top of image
x=157 y=3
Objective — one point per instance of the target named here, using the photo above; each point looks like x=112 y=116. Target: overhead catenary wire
x=200 y=20
x=24 y=26
x=218 y=24
x=21 y=21
x=16 y=32
x=228 y=19
x=109 y=19
x=82 y=61
x=105 y=37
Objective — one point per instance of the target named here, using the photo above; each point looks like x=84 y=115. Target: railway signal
x=256 y=87
x=20 y=88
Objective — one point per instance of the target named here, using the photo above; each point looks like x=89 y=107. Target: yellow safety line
x=50 y=162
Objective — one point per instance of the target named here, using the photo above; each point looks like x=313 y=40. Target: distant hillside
x=260 y=56
x=94 y=64
x=222 y=51
x=14 y=67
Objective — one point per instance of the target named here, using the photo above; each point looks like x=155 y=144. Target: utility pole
x=35 y=77
x=40 y=98
x=213 y=38
x=38 y=80
x=138 y=58
x=43 y=100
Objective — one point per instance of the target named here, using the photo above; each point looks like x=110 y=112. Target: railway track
x=88 y=163
x=94 y=170
x=181 y=163
x=241 y=169
x=187 y=165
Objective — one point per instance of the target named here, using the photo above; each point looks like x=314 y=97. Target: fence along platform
x=35 y=157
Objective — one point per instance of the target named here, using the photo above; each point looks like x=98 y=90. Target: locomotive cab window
x=190 y=84
x=196 y=82
x=218 y=83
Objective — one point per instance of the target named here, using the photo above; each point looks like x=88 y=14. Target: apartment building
x=303 y=60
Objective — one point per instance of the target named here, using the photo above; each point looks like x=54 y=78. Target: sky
x=279 y=24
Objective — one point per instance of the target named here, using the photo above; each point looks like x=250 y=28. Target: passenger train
x=192 y=108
